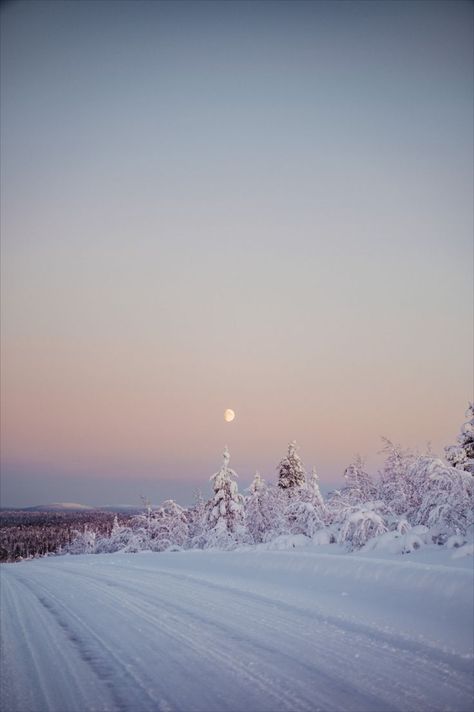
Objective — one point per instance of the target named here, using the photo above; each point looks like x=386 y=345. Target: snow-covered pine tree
x=395 y=486
x=313 y=488
x=226 y=515
x=291 y=472
x=461 y=455
x=359 y=486
x=359 y=493
x=263 y=511
x=306 y=511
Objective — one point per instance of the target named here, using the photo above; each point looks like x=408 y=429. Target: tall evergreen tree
x=226 y=511
x=313 y=488
x=291 y=472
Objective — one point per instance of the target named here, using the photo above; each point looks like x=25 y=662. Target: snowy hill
x=245 y=630
x=59 y=507
x=76 y=507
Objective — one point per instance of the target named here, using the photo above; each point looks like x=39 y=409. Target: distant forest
x=24 y=535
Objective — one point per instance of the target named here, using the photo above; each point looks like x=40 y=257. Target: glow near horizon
x=262 y=204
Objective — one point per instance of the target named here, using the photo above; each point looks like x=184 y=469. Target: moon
x=229 y=415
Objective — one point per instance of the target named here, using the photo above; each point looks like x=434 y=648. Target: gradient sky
x=265 y=206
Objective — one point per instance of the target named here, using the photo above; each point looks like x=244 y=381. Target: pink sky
x=260 y=206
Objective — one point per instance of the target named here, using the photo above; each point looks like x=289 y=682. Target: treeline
x=415 y=500
x=24 y=535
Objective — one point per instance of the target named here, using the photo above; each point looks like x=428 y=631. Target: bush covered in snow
x=362 y=522
x=461 y=455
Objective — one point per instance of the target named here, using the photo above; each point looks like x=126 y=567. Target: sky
x=264 y=206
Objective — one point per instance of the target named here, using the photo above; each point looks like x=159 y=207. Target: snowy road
x=241 y=631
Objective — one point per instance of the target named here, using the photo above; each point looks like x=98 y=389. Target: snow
x=254 y=630
x=59 y=506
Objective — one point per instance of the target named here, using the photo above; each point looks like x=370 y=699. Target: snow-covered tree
x=83 y=542
x=395 y=486
x=461 y=455
x=226 y=510
x=349 y=506
x=168 y=527
x=306 y=511
x=264 y=511
x=291 y=472
x=359 y=487
x=197 y=522
x=313 y=488
x=361 y=523
x=121 y=538
x=446 y=498
x=304 y=517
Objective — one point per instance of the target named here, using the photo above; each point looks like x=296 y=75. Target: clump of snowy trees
x=414 y=501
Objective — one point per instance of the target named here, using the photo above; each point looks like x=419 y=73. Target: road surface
x=239 y=632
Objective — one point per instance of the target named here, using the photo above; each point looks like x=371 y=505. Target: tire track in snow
x=27 y=680
x=118 y=679
x=363 y=683
x=403 y=644
x=271 y=654
x=260 y=652
x=219 y=658
x=428 y=670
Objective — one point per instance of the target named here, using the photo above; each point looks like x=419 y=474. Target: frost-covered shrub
x=361 y=523
x=324 y=536
x=395 y=486
x=465 y=550
x=167 y=527
x=357 y=491
x=197 y=522
x=83 y=542
x=402 y=540
x=304 y=517
x=264 y=515
x=455 y=541
x=286 y=542
x=446 y=497
x=359 y=486
x=461 y=456
x=117 y=541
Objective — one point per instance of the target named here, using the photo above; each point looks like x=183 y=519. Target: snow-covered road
x=242 y=631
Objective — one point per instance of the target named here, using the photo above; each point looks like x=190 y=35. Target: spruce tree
x=226 y=510
x=313 y=488
x=290 y=470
